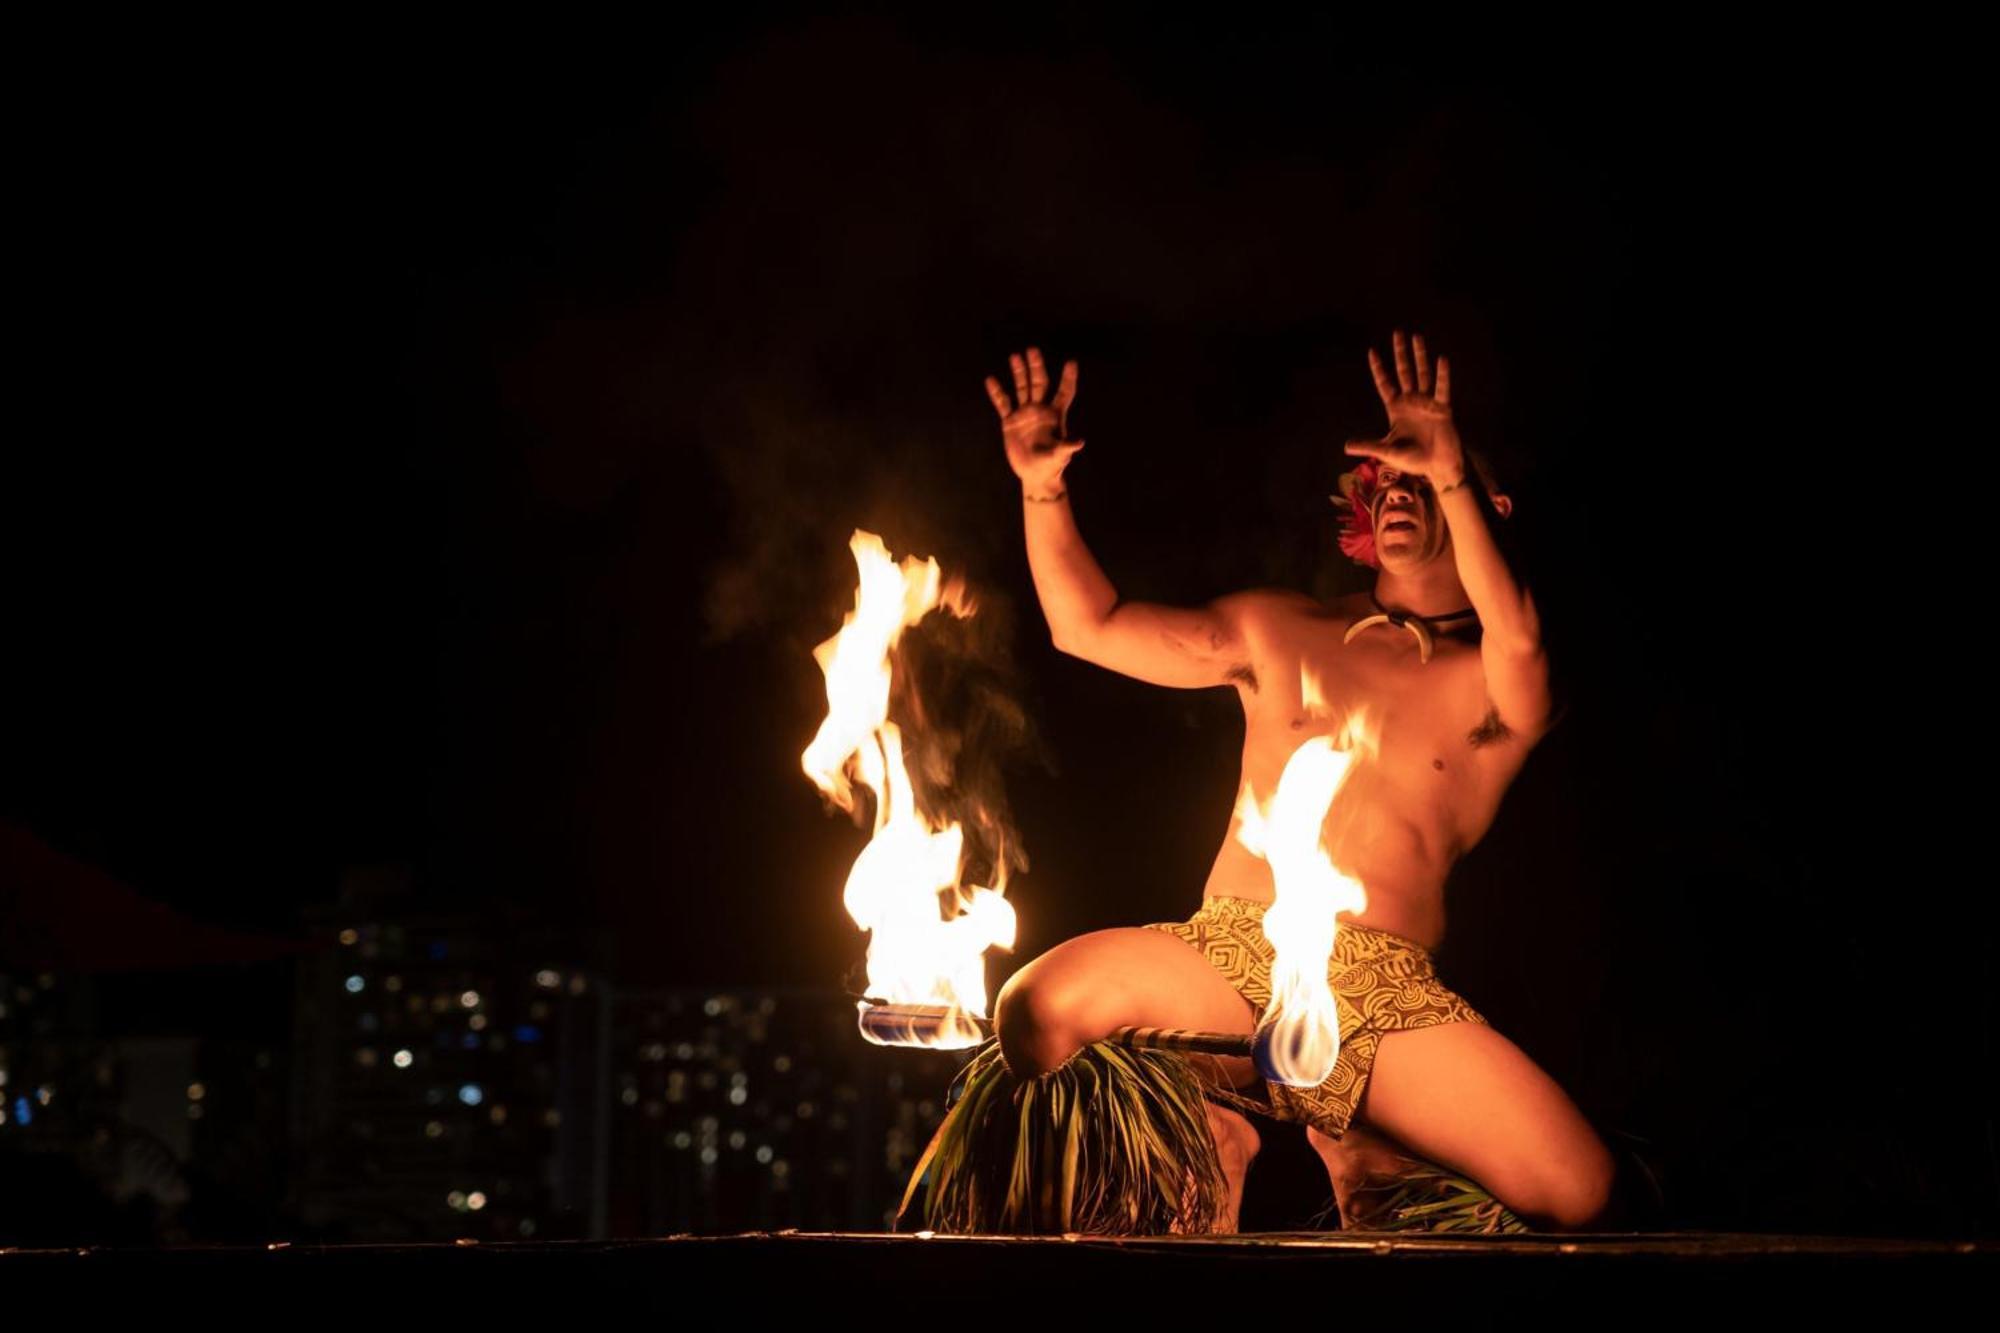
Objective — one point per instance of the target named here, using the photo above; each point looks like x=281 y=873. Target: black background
x=445 y=449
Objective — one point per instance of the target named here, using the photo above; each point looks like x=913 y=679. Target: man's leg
x=1465 y=1097
x=1086 y=988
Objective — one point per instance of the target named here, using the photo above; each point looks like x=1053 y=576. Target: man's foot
x=1236 y=1142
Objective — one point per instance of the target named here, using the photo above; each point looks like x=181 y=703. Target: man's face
x=1409 y=531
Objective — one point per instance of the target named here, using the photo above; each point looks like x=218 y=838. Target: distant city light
x=455 y=1199
x=781 y=1168
x=737 y=1138
x=470 y=999
x=782 y=1064
x=196 y=1092
x=349 y=936
x=630 y=1096
x=365 y=1057
x=527 y=1227
x=21 y=1111
x=404 y=1059
x=738 y=1096
x=548 y=978
x=470 y=1094
x=475 y=1200
x=392 y=984
x=477 y=1022
x=578 y=984
x=498 y=1115
x=43 y=1093
x=764 y=1153
x=434 y=1129
x=712 y=1006
x=194 y=1110
x=683 y=1139
x=708 y=1156
x=527 y=1034
x=354 y=985
x=552 y=1119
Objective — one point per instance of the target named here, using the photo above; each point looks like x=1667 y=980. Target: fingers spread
x=1423 y=365
x=999 y=397
x=1382 y=385
x=1444 y=382
x=1038 y=376
x=1066 y=388
x=1020 y=379
x=1405 y=375
x=1362 y=449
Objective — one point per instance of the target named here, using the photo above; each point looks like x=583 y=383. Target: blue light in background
x=21 y=1111
x=527 y=1034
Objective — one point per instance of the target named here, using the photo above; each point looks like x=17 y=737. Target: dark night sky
x=456 y=452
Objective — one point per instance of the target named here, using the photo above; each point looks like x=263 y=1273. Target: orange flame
x=911 y=867
x=1300 y=1031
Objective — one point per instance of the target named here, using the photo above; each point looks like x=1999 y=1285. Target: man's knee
x=1036 y=1019
x=1578 y=1197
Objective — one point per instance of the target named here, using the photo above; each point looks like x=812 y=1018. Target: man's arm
x=1510 y=645
x=1180 y=647
x=1185 y=648
x=1423 y=439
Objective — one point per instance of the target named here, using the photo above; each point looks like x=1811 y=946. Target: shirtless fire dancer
x=1455 y=683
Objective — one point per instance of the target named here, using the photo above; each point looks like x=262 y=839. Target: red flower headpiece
x=1357 y=518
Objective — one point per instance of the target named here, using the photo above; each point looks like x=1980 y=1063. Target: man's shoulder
x=1258 y=607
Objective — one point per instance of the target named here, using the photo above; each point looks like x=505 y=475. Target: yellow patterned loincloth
x=1382 y=982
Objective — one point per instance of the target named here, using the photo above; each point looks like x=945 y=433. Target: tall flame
x=910 y=870
x=1299 y=1034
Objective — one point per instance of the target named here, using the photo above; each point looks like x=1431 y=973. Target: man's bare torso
x=1410 y=808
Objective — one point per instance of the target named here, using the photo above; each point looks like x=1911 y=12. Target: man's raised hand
x=1422 y=438
x=1034 y=426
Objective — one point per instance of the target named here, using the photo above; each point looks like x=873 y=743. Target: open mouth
x=1398 y=524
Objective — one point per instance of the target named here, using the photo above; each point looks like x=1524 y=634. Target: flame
x=1300 y=1031
x=911 y=868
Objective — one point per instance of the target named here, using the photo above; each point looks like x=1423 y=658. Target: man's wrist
x=1056 y=496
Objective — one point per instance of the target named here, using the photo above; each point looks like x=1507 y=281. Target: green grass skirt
x=1115 y=1142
